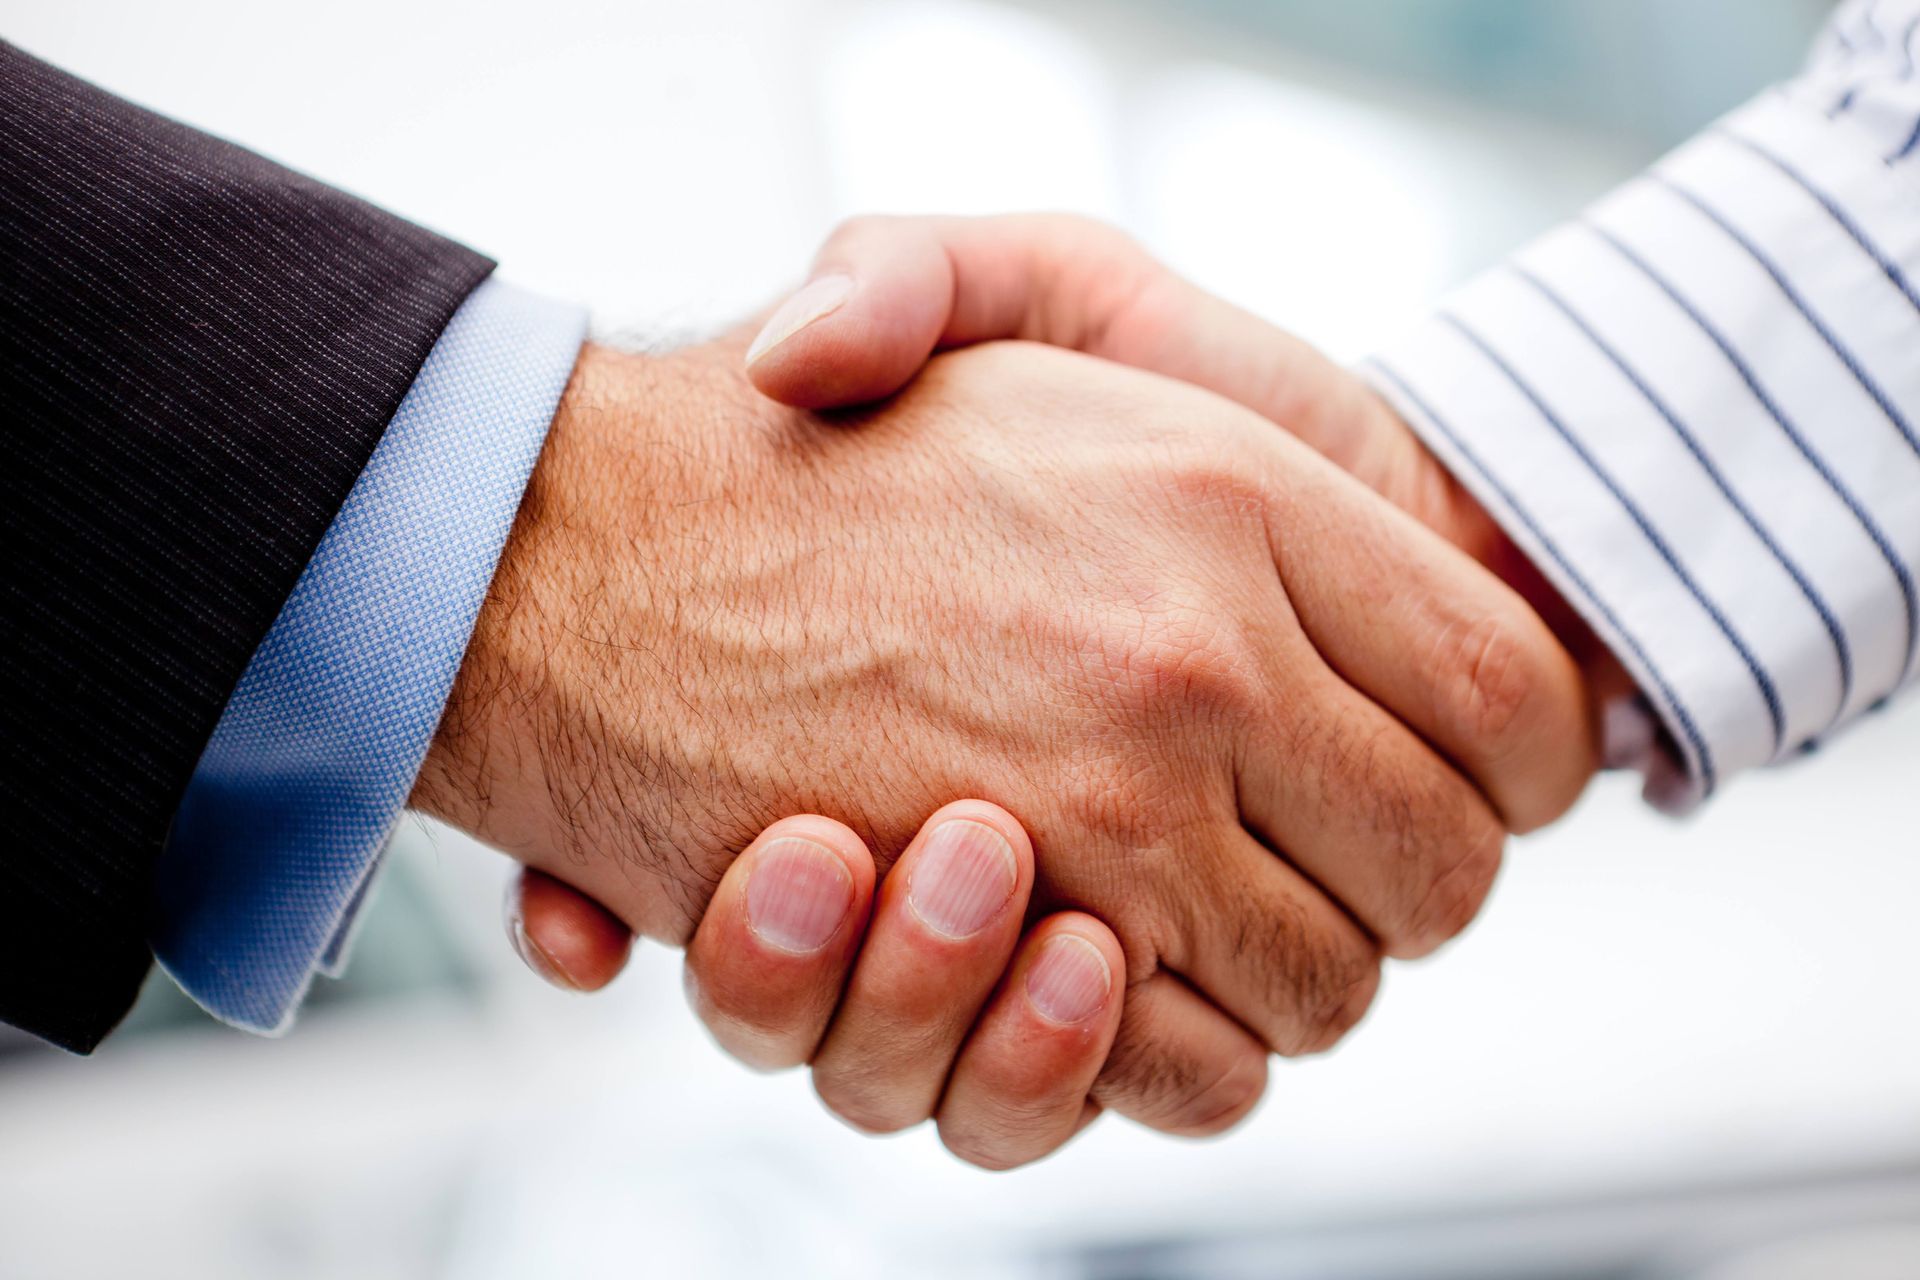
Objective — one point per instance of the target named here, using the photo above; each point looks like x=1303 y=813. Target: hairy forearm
x=546 y=749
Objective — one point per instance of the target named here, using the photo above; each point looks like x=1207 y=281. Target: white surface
x=1643 y=1002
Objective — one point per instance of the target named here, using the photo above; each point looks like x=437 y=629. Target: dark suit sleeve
x=198 y=352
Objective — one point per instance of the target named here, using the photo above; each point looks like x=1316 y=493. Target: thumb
x=885 y=293
x=563 y=935
x=874 y=308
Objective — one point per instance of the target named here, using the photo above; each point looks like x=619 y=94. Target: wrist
x=550 y=748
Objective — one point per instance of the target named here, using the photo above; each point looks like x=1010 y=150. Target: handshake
x=1218 y=688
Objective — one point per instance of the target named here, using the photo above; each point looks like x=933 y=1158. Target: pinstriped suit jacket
x=198 y=352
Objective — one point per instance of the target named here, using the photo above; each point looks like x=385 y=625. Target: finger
x=868 y=317
x=562 y=934
x=1020 y=1087
x=898 y=289
x=946 y=922
x=1434 y=638
x=768 y=962
x=1179 y=1064
x=885 y=293
x=1268 y=947
x=1386 y=827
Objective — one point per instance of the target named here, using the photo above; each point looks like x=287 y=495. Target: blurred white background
x=1666 y=1050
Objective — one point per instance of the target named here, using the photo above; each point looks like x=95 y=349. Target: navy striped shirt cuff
x=1695 y=408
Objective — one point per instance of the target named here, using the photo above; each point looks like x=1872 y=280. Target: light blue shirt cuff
x=311 y=764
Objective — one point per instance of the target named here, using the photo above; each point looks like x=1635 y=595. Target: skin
x=1255 y=719
x=911 y=286
x=901 y=1022
x=926 y=284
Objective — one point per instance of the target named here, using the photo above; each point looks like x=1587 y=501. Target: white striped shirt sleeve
x=1697 y=408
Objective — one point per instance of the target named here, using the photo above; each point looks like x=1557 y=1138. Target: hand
x=1166 y=636
x=933 y=996
x=886 y=293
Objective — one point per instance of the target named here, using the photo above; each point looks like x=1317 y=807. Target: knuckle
x=1440 y=844
x=1489 y=678
x=1317 y=976
x=1166 y=1087
x=1175 y=658
x=1339 y=1009
x=1323 y=984
x=1201 y=475
x=1215 y=1103
x=1455 y=895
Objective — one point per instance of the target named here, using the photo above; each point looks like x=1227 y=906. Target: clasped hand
x=1262 y=719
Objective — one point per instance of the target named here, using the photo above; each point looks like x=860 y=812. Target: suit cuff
x=291 y=804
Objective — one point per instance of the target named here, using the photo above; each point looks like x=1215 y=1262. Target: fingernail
x=961 y=878
x=1069 y=980
x=535 y=956
x=798 y=895
x=817 y=299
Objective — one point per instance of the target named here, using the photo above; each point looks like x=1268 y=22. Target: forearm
x=555 y=746
x=190 y=401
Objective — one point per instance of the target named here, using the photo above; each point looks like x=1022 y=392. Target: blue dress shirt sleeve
x=292 y=802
